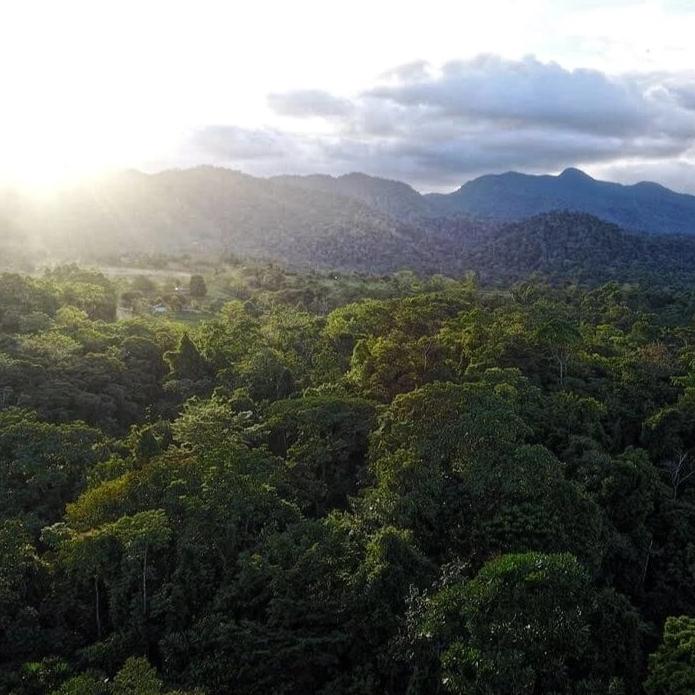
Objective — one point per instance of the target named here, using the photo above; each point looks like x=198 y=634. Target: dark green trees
x=197 y=286
x=432 y=490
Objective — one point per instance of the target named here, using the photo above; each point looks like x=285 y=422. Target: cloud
x=526 y=92
x=309 y=102
x=685 y=94
x=266 y=151
x=437 y=128
x=678 y=174
x=418 y=69
x=231 y=143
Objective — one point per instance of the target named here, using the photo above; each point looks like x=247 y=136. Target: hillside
x=305 y=223
x=212 y=210
x=353 y=223
x=578 y=246
x=394 y=198
x=645 y=206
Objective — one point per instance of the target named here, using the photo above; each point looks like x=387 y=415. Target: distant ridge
x=504 y=226
x=211 y=210
x=646 y=206
x=394 y=198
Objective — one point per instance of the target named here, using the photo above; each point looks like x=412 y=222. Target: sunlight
x=54 y=153
x=347 y=348
x=47 y=167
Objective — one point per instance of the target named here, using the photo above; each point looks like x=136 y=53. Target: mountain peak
x=395 y=198
x=575 y=174
x=513 y=196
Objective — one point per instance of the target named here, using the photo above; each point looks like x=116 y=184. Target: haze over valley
x=357 y=222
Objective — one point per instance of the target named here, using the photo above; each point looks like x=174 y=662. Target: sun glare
x=39 y=157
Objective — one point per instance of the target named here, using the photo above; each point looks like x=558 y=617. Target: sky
x=433 y=93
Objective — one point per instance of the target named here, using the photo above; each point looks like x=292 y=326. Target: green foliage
x=20 y=571
x=519 y=626
x=197 y=286
x=43 y=466
x=324 y=441
x=186 y=362
x=137 y=677
x=345 y=485
x=672 y=666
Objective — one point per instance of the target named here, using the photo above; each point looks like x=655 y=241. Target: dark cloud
x=685 y=94
x=527 y=92
x=438 y=128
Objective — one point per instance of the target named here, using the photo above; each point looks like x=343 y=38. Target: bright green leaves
x=672 y=666
x=142 y=532
x=136 y=677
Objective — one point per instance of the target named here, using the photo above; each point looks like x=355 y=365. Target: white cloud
x=677 y=174
x=440 y=127
x=146 y=72
x=309 y=102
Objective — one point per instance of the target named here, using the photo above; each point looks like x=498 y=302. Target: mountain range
x=501 y=226
x=644 y=206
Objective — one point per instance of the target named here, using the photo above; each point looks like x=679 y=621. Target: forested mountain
x=566 y=246
x=212 y=210
x=357 y=223
x=645 y=206
x=334 y=486
x=394 y=198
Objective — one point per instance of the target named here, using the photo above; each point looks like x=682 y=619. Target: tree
x=205 y=424
x=84 y=684
x=90 y=556
x=523 y=502
x=19 y=565
x=324 y=440
x=561 y=337
x=285 y=626
x=679 y=469
x=228 y=338
x=139 y=535
x=137 y=677
x=451 y=423
x=43 y=465
x=672 y=666
x=186 y=362
x=265 y=375
x=519 y=627
x=385 y=366
x=426 y=445
x=197 y=287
